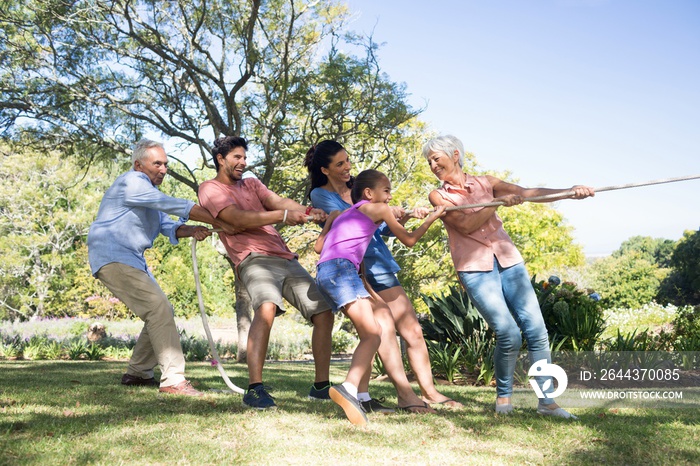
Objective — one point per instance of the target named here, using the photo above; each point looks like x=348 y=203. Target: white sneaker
x=559 y=412
x=504 y=408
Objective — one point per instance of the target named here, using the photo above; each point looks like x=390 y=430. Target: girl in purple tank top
x=342 y=244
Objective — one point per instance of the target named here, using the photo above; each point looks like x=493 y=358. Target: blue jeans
x=506 y=300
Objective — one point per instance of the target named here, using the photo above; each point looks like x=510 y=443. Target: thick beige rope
x=212 y=346
x=568 y=194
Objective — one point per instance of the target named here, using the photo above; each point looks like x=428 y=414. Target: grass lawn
x=76 y=412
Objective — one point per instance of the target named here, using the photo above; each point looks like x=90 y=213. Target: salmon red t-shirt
x=246 y=194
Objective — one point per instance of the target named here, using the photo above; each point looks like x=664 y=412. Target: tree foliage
x=91 y=77
x=45 y=209
x=645 y=269
x=655 y=250
x=104 y=73
x=682 y=286
x=626 y=280
x=543 y=237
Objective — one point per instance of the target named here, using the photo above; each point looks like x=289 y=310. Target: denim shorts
x=382 y=281
x=339 y=282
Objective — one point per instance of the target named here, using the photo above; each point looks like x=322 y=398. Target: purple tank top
x=349 y=236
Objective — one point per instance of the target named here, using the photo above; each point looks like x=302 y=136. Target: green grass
x=76 y=412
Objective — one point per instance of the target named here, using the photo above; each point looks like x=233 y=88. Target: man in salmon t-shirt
x=264 y=263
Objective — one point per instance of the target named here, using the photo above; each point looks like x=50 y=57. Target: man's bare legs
x=321 y=344
x=258 y=339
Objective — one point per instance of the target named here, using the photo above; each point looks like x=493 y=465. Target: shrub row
x=461 y=345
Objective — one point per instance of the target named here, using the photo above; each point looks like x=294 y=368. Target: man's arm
x=277 y=202
x=279 y=210
x=248 y=219
x=200 y=214
x=297 y=214
x=197 y=231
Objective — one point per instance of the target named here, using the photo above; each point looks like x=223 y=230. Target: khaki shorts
x=269 y=279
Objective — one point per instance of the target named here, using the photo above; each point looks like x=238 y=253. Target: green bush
x=445 y=360
x=635 y=341
x=453 y=319
x=226 y=350
x=94 y=352
x=686 y=329
x=54 y=350
x=193 y=348
x=628 y=280
x=682 y=286
x=487 y=370
x=457 y=334
x=36 y=348
x=342 y=341
x=377 y=366
x=117 y=352
x=11 y=346
x=77 y=350
x=574 y=318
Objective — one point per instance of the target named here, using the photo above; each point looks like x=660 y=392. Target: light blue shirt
x=131 y=215
x=378 y=259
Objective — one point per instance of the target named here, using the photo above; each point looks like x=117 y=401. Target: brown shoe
x=183 y=388
x=132 y=380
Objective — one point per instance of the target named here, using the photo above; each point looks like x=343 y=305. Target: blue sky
x=561 y=92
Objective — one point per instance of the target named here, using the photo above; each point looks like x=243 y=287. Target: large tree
x=104 y=72
x=91 y=77
x=97 y=75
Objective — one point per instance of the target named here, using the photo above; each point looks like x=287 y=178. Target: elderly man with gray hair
x=131 y=215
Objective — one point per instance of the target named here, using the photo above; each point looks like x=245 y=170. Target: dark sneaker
x=258 y=398
x=353 y=409
x=183 y=388
x=320 y=393
x=132 y=380
x=376 y=406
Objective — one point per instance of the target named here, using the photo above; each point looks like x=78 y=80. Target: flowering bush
x=110 y=308
x=686 y=327
x=651 y=316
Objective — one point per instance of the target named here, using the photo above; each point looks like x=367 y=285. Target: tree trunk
x=244 y=311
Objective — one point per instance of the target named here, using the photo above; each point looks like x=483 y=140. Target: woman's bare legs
x=390 y=354
x=406 y=322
